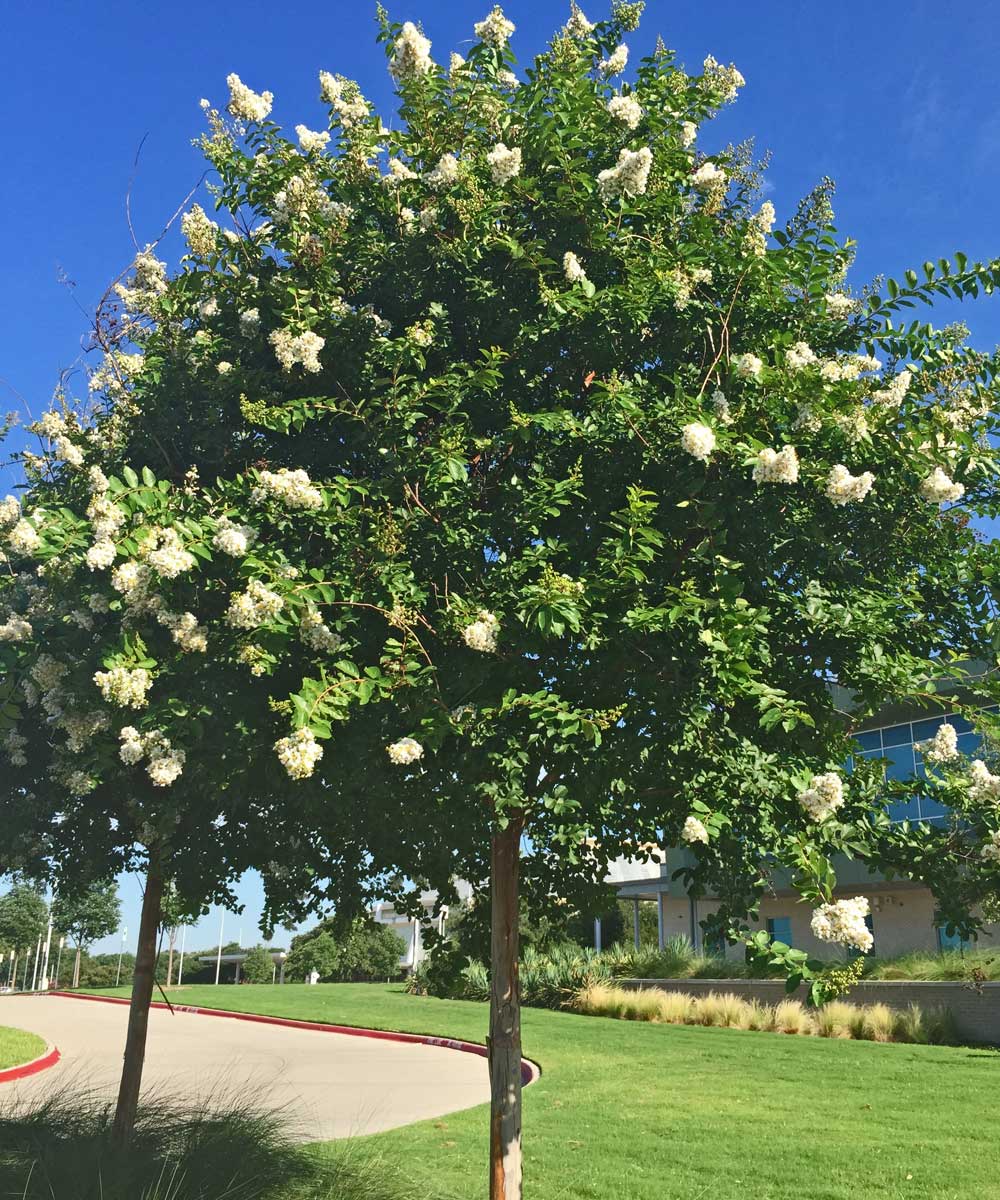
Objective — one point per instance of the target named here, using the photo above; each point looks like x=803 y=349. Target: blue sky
x=897 y=102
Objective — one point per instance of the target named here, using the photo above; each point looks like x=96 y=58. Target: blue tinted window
x=900 y=762
x=904 y=810
x=897 y=735
x=932 y=810
x=960 y=723
x=969 y=743
x=950 y=941
x=780 y=928
x=926 y=729
x=872 y=740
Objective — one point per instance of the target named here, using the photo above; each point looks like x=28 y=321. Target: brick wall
x=976 y=1013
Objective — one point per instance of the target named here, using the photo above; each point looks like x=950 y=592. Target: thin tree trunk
x=505 y=1014
x=76 y=968
x=138 y=1013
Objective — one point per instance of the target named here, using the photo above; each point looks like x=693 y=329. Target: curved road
x=329 y=1085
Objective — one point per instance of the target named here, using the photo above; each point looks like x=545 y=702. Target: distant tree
x=24 y=916
x=88 y=916
x=317 y=953
x=257 y=966
x=368 y=950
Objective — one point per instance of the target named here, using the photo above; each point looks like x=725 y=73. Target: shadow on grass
x=60 y=1149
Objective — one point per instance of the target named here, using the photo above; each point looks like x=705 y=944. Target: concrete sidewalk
x=329 y=1085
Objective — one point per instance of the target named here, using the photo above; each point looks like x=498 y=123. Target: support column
x=693 y=903
x=661 y=933
x=635 y=922
x=598 y=941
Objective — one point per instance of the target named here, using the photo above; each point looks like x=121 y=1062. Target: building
x=410 y=928
x=902 y=916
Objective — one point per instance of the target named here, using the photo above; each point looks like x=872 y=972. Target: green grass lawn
x=628 y=1111
x=17 y=1046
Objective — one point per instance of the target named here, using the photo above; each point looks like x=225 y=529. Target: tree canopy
x=510 y=468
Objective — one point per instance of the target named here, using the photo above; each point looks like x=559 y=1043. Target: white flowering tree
x=491 y=497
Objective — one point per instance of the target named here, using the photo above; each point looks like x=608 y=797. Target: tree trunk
x=505 y=1014
x=138 y=1013
x=76 y=968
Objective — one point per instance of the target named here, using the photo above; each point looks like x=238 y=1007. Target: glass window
x=969 y=743
x=926 y=729
x=900 y=762
x=872 y=740
x=950 y=941
x=897 y=735
x=932 y=810
x=904 y=810
x=780 y=929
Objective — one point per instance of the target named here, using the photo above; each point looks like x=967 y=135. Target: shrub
x=836 y=1019
x=790 y=1016
x=878 y=1023
x=257 y=966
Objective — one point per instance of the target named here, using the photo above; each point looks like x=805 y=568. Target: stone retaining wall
x=976 y=1011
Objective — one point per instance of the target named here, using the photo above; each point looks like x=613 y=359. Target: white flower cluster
x=504 y=163
x=407 y=750
x=481 y=634
x=838 y=305
x=10 y=511
x=106 y=518
x=250 y=320
x=15 y=629
x=720 y=404
x=185 y=630
x=758 y=229
x=573 y=268
x=116 y=373
x=938 y=488
x=291 y=348
x=942 y=747
x=849 y=368
x=709 y=177
x=233 y=539
x=199 y=232
x=844 y=488
x=399 y=173
x=577 y=26
x=777 y=466
x=991 y=850
x=254 y=607
x=125 y=687
x=965 y=408
x=698 y=440
x=723 y=81
x=494 y=29
x=823 y=796
x=799 y=356
x=748 y=366
x=312 y=141
x=135 y=583
x=23 y=538
x=895 y=393
x=149 y=282
x=444 y=174
x=164 y=763
x=412 y=54
x=684 y=282
x=299 y=752
x=984 y=786
x=626 y=109
x=14 y=744
x=316 y=634
x=293 y=488
x=694 y=831
x=82 y=728
x=166 y=554
x=616 y=62
x=843 y=922
x=688 y=133
x=301 y=198
x=247 y=105
x=344 y=97
x=628 y=177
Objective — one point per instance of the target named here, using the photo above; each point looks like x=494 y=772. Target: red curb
x=530 y=1071
x=48 y=1059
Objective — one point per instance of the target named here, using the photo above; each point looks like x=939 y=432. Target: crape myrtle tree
x=24 y=917
x=87 y=915
x=491 y=496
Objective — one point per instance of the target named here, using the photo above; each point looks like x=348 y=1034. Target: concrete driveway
x=329 y=1085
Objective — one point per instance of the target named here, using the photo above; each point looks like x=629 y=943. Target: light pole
x=38 y=952
x=180 y=965
x=62 y=942
x=12 y=977
x=27 y=967
x=120 y=953
x=218 y=957
x=43 y=981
